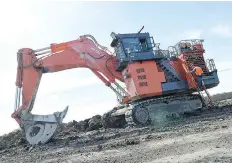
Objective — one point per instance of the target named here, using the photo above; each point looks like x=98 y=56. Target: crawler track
x=149 y=108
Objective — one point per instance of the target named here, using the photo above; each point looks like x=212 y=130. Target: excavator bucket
x=39 y=129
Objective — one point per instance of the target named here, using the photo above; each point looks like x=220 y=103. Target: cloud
x=222 y=30
x=50 y=83
x=7 y=86
x=27 y=22
x=7 y=124
x=193 y=34
x=53 y=84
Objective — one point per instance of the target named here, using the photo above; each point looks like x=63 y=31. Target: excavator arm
x=83 y=52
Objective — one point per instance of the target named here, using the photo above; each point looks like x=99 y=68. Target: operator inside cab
x=198 y=71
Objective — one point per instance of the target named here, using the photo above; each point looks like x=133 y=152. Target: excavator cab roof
x=135 y=36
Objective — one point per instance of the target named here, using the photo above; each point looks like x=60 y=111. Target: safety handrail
x=97 y=44
x=211 y=65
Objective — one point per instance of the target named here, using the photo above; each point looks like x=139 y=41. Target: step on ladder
x=208 y=100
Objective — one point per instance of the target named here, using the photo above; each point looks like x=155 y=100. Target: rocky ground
x=205 y=137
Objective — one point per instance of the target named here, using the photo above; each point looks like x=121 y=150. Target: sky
x=37 y=24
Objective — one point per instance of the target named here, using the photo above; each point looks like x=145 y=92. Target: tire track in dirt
x=194 y=147
x=192 y=157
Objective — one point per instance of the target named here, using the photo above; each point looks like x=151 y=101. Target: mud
x=203 y=137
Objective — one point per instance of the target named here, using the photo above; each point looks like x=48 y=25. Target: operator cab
x=133 y=47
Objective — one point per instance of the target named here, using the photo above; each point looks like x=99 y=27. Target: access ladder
x=193 y=84
x=208 y=100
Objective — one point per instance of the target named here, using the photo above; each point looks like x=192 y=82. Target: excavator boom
x=84 y=52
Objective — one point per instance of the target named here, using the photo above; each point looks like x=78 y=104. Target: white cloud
x=222 y=30
x=174 y=38
x=7 y=86
x=7 y=124
x=192 y=34
x=17 y=22
x=50 y=83
x=54 y=97
x=53 y=83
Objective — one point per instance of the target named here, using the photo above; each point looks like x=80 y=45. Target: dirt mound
x=89 y=124
x=17 y=137
x=189 y=138
x=91 y=131
x=12 y=139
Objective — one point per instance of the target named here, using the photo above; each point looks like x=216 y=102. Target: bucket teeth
x=39 y=129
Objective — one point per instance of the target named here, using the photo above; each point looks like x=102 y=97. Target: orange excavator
x=158 y=83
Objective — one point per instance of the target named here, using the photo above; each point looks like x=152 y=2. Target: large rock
x=95 y=123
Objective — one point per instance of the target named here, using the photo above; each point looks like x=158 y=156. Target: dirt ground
x=205 y=137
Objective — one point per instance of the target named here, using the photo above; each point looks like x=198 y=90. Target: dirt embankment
x=205 y=137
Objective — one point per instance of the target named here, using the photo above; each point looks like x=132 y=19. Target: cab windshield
x=136 y=45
